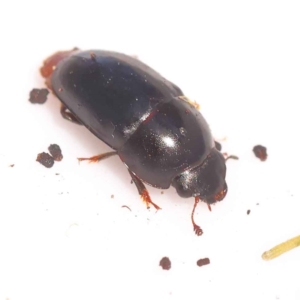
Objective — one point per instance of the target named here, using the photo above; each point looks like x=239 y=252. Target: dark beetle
x=157 y=132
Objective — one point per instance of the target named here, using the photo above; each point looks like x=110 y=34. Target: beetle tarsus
x=66 y=114
x=197 y=228
x=143 y=191
x=97 y=158
x=146 y=198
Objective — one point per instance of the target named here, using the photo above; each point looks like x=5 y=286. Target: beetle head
x=51 y=62
x=206 y=181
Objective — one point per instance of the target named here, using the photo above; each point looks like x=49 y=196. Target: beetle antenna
x=231 y=157
x=226 y=156
x=197 y=228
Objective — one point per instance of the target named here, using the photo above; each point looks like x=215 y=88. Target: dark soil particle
x=45 y=159
x=248 y=211
x=165 y=263
x=260 y=152
x=203 y=261
x=38 y=96
x=55 y=151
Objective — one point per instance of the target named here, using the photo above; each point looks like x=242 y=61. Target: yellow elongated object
x=282 y=248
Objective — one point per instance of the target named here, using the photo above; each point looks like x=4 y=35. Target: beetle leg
x=197 y=228
x=66 y=114
x=99 y=157
x=142 y=191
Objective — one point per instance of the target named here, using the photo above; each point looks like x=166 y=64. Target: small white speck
x=182 y=131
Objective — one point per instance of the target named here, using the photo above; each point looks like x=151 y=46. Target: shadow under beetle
x=157 y=132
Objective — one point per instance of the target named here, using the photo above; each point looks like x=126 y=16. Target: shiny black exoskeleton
x=157 y=132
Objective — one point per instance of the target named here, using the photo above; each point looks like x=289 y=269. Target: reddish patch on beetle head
x=51 y=62
x=221 y=195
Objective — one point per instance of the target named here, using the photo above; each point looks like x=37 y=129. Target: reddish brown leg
x=66 y=114
x=197 y=228
x=142 y=191
x=97 y=158
x=209 y=207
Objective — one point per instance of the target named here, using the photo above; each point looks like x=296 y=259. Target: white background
x=63 y=236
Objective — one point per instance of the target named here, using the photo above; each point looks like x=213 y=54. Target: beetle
x=158 y=133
